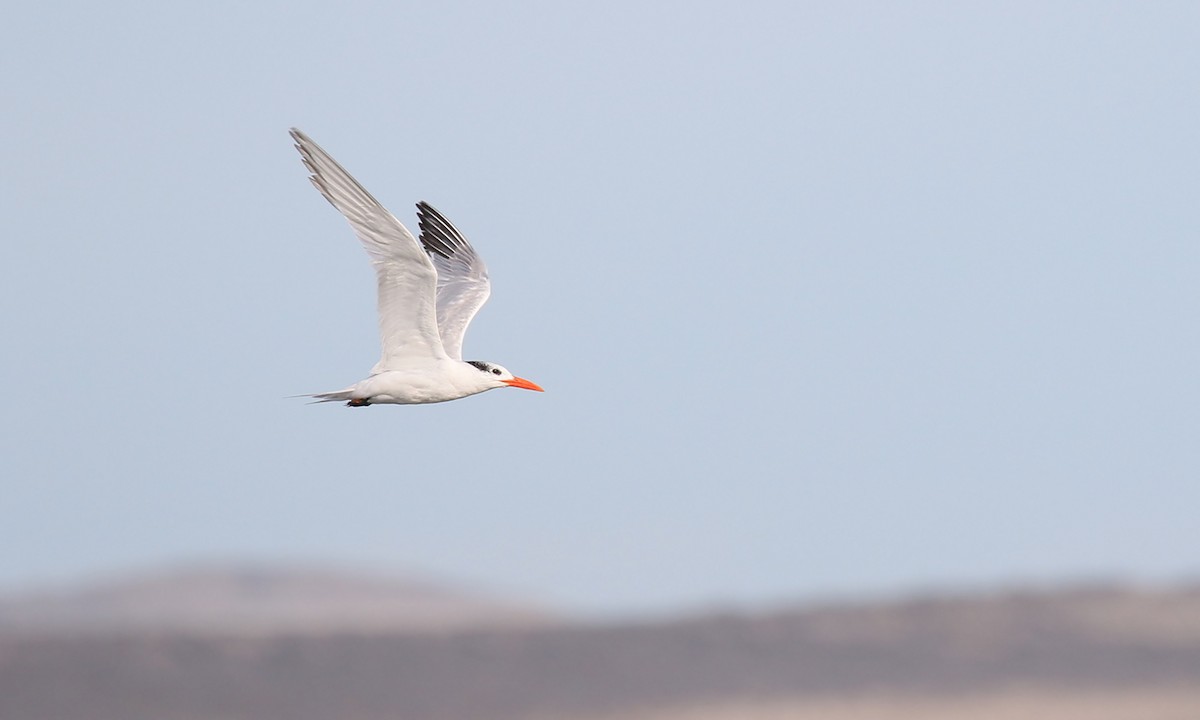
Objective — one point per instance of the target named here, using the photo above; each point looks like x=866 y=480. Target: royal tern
x=428 y=293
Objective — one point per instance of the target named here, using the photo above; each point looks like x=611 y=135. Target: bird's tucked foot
x=358 y=402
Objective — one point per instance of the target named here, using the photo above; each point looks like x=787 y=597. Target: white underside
x=432 y=381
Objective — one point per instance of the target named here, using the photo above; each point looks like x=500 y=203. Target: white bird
x=428 y=293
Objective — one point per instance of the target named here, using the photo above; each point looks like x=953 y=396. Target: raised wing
x=462 y=284
x=407 y=279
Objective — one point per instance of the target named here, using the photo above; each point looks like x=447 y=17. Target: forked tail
x=337 y=396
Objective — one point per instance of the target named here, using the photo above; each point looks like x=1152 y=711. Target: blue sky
x=827 y=299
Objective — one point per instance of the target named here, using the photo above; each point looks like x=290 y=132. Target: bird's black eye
x=495 y=371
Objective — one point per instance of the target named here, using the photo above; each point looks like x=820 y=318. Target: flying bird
x=428 y=293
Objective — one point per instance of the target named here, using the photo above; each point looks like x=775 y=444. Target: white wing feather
x=462 y=283
x=407 y=279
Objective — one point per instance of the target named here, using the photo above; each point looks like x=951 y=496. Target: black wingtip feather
x=438 y=235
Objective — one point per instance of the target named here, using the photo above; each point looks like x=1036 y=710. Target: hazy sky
x=827 y=298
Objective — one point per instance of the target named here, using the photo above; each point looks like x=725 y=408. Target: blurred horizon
x=165 y=574
x=314 y=644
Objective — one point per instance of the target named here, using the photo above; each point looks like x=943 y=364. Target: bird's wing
x=462 y=285
x=407 y=279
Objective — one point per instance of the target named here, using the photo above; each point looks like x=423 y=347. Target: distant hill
x=1100 y=653
x=257 y=601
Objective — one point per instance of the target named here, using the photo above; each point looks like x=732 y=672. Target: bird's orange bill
x=523 y=384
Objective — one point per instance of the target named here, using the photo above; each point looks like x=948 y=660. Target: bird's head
x=498 y=376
